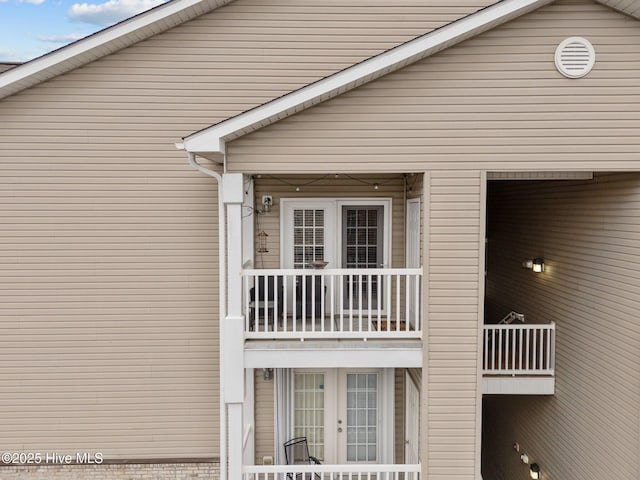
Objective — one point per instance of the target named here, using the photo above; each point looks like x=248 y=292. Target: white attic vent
x=575 y=57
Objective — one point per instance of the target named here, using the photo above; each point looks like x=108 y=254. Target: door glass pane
x=362 y=248
x=308 y=418
x=362 y=417
x=308 y=236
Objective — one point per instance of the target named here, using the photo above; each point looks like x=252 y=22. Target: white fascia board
x=211 y=140
x=97 y=40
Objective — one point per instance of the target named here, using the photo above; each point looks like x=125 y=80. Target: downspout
x=222 y=295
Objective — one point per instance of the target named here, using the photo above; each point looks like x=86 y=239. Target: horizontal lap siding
x=494 y=102
x=588 y=233
x=283 y=186
x=451 y=397
x=108 y=293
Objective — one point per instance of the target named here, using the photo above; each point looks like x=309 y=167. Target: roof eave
x=102 y=43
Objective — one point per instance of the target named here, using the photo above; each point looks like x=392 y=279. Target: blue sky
x=30 y=28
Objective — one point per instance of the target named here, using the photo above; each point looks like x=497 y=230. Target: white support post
x=233 y=196
x=236 y=435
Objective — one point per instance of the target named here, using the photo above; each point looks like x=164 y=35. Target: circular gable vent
x=575 y=57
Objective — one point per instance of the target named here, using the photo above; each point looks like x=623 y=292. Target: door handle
x=339 y=429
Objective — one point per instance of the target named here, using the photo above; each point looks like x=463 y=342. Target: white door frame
x=335 y=402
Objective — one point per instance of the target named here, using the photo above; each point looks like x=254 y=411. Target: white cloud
x=72 y=37
x=34 y=2
x=109 y=12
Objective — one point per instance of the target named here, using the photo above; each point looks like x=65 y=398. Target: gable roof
x=104 y=42
x=212 y=140
x=152 y=22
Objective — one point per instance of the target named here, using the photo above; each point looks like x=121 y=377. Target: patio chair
x=296 y=452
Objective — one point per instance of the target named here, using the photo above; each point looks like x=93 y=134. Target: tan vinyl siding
x=587 y=232
x=450 y=393
x=109 y=256
x=494 y=102
x=264 y=417
x=283 y=186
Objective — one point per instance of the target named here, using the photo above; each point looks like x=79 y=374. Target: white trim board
x=213 y=139
x=326 y=354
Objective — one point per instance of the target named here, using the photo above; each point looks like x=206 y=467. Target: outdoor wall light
x=525 y=458
x=534 y=471
x=536 y=265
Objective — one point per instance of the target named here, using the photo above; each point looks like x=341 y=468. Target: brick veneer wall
x=137 y=471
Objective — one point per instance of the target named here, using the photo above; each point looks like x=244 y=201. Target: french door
x=342 y=413
x=349 y=233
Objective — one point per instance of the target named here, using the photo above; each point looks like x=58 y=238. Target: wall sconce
x=536 y=265
x=267 y=374
x=534 y=471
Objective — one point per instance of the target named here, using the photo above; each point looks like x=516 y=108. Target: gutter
x=222 y=295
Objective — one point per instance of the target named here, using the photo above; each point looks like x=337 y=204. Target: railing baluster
x=379 y=295
x=541 y=352
x=513 y=349
x=322 y=302
x=417 y=312
x=246 y=303
x=341 y=305
x=534 y=359
x=313 y=303
x=350 y=302
x=397 y=302
x=360 y=302
x=285 y=301
x=294 y=304
x=406 y=302
x=303 y=300
x=500 y=348
x=528 y=344
x=332 y=305
x=485 y=363
x=520 y=335
x=369 y=302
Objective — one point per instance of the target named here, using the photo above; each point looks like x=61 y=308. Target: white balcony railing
x=519 y=349
x=333 y=303
x=331 y=472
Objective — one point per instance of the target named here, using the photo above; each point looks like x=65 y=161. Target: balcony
x=351 y=317
x=519 y=359
x=332 y=472
x=333 y=304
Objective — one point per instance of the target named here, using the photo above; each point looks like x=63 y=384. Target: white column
x=233 y=328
